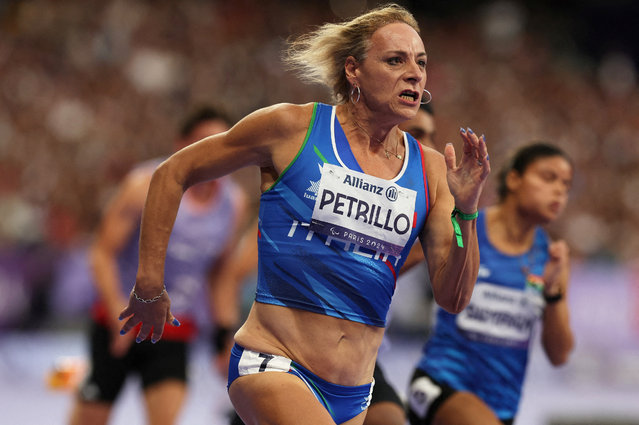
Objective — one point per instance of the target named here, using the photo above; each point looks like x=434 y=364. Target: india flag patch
x=535 y=282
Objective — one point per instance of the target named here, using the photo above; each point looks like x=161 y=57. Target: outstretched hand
x=467 y=179
x=152 y=313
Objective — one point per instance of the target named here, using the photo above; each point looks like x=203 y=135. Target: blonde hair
x=320 y=56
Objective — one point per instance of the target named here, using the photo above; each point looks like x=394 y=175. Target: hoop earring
x=430 y=97
x=359 y=93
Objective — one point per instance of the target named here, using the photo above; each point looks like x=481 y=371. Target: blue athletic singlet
x=484 y=349
x=199 y=236
x=331 y=238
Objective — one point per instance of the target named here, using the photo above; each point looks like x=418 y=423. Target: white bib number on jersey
x=365 y=210
x=500 y=316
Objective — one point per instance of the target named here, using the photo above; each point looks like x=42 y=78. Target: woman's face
x=393 y=75
x=542 y=190
x=421 y=127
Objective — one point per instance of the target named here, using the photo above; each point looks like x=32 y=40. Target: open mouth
x=409 y=95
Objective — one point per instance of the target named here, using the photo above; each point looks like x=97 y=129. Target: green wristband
x=453 y=217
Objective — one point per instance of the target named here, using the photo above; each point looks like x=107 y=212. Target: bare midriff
x=337 y=350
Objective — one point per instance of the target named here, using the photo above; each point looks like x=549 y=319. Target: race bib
x=365 y=210
x=500 y=316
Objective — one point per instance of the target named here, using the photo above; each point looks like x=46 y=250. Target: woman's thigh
x=164 y=401
x=464 y=408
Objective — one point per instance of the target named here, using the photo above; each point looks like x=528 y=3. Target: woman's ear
x=350 y=68
x=513 y=180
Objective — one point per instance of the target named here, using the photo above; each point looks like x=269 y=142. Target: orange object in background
x=66 y=373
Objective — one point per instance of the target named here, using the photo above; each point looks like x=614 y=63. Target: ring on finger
x=481 y=162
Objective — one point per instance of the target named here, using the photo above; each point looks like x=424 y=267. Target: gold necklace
x=381 y=142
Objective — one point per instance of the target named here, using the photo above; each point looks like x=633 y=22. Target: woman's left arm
x=556 y=335
x=452 y=251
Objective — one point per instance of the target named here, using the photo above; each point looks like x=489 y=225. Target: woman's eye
x=422 y=64
x=394 y=61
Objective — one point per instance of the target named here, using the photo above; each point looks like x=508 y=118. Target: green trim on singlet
x=318 y=153
x=308 y=133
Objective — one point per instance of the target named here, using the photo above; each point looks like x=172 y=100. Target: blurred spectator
x=197 y=270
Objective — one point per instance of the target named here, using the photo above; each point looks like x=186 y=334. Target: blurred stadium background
x=88 y=88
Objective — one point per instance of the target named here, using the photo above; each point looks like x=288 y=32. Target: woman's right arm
x=266 y=138
x=557 y=337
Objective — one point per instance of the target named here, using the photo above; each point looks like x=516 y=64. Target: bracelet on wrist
x=552 y=299
x=453 y=218
x=149 y=300
x=464 y=216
